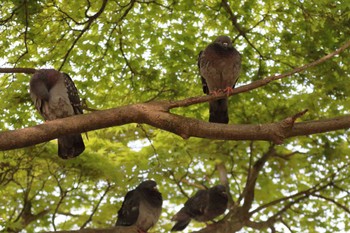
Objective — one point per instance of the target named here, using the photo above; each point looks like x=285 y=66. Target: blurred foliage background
x=124 y=52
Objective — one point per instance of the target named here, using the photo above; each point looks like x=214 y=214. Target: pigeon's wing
x=217 y=203
x=39 y=87
x=65 y=102
x=129 y=212
x=235 y=65
x=196 y=205
x=73 y=94
x=204 y=83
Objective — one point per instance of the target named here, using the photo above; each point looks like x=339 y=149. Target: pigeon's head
x=46 y=76
x=42 y=81
x=220 y=189
x=148 y=184
x=224 y=41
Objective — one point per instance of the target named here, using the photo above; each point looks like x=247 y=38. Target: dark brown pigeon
x=204 y=206
x=219 y=65
x=55 y=96
x=141 y=207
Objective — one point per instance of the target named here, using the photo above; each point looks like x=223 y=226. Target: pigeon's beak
x=225 y=44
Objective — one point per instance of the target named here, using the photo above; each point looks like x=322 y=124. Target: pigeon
x=204 y=206
x=55 y=96
x=141 y=207
x=219 y=66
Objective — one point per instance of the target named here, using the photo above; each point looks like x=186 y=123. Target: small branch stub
x=285 y=127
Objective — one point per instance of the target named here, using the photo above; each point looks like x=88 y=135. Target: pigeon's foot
x=228 y=90
x=216 y=92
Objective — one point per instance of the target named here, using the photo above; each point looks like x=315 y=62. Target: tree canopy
x=134 y=63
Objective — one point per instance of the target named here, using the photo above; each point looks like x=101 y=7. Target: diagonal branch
x=11 y=14
x=129 y=6
x=241 y=89
x=323 y=184
x=248 y=192
x=296 y=198
x=342 y=189
x=291 y=197
x=25 y=33
x=346 y=209
x=96 y=206
x=91 y=19
x=262 y=82
x=224 y=181
x=241 y=31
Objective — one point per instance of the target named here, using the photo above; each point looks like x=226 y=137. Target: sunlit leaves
x=137 y=51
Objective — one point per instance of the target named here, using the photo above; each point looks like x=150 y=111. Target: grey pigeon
x=55 y=96
x=219 y=65
x=141 y=207
x=204 y=206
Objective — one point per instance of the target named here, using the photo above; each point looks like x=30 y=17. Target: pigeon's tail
x=218 y=111
x=180 y=225
x=182 y=220
x=70 y=146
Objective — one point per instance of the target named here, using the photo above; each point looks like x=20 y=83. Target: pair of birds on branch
x=55 y=95
x=142 y=207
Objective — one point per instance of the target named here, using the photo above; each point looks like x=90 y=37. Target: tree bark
x=156 y=114
x=131 y=229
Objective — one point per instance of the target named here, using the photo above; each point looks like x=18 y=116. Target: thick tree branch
x=155 y=114
x=219 y=227
x=110 y=230
x=248 y=192
x=18 y=70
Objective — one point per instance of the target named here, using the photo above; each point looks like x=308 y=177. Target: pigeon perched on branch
x=55 y=96
x=204 y=206
x=141 y=207
x=219 y=65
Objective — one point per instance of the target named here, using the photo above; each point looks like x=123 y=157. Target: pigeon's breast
x=59 y=104
x=148 y=216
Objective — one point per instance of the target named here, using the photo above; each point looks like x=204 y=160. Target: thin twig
x=96 y=206
x=85 y=29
